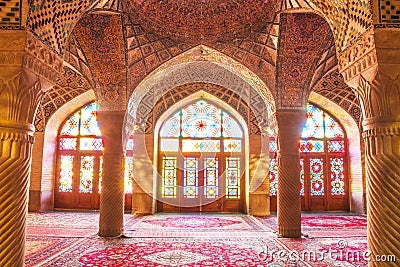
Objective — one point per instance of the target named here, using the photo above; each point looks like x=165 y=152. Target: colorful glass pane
x=87 y=172
x=336 y=146
x=95 y=144
x=172 y=126
x=128 y=175
x=232 y=145
x=211 y=177
x=317 y=177
x=273 y=177
x=232 y=177
x=230 y=127
x=332 y=128
x=66 y=174
x=129 y=144
x=337 y=176
x=201 y=119
x=169 y=177
x=71 y=126
x=169 y=145
x=100 y=173
x=273 y=147
x=307 y=146
x=190 y=178
x=314 y=126
x=201 y=146
x=302 y=177
x=67 y=143
x=89 y=125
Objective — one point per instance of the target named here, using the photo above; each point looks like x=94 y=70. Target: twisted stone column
x=382 y=141
x=380 y=100
x=16 y=139
x=290 y=124
x=112 y=195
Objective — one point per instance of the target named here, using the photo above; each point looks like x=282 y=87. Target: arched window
x=323 y=163
x=80 y=162
x=201 y=148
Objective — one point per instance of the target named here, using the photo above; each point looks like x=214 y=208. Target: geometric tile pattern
x=304 y=37
x=53 y=21
x=389 y=11
x=146 y=51
x=224 y=94
x=333 y=87
x=348 y=19
x=10 y=13
x=69 y=85
x=101 y=37
x=203 y=21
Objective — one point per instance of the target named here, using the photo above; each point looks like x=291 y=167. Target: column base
x=111 y=232
x=293 y=232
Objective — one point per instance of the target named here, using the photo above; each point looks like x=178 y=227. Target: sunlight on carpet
x=69 y=239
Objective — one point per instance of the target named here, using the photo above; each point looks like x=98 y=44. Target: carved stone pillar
x=112 y=195
x=19 y=99
x=380 y=100
x=290 y=124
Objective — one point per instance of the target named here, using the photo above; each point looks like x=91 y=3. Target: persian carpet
x=197 y=240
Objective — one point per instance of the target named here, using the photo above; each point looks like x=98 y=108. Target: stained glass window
x=191 y=178
x=100 y=173
x=172 y=126
x=302 y=177
x=201 y=119
x=336 y=146
x=273 y=177
x=321 y=136
x=230 y=127
x=189 y=145
x=307 y=146
x=200 y=128
x=232 y=145
x=314 y=126
x=317 y=177
x=66 y=173
x=233 y=178
x=67 y=143
x=337 y=176
x=128 y=177
x=211 y=177
x=71 y=126
x=80 y=139
x=88 y=123
x=86 y=178
x=169 y=177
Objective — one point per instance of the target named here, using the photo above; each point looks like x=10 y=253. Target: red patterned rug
x=196 y=222
x=170 y=252
x=42 y=249
x=323 y=222
x=329 y=251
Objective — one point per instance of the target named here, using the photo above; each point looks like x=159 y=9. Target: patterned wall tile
x=10 y=14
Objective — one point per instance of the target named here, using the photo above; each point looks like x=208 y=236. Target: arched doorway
x=80 y=162
x=324 y=164
x=201 y=160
